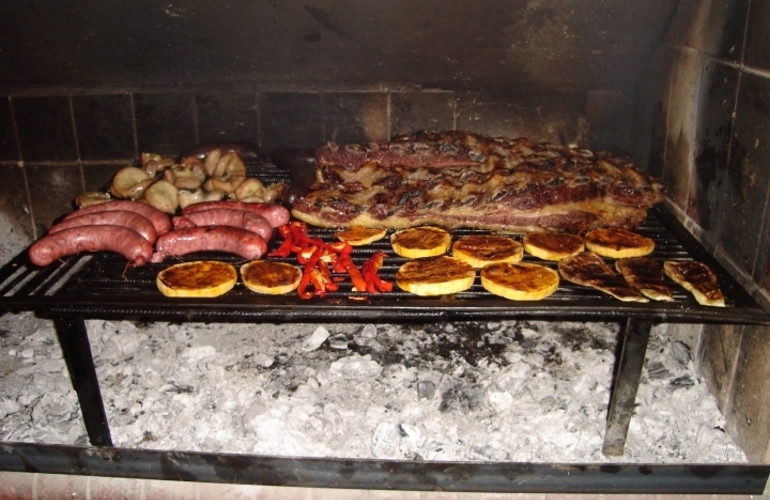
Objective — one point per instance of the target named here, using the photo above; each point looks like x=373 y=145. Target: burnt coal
x=498 y=390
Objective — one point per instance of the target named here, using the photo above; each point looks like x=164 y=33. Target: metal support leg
x=73 y=338
x=626 y=382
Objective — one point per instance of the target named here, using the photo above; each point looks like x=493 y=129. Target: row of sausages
x=142 y=233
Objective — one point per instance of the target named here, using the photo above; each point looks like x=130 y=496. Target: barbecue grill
x=679 y=84
x=103 y=286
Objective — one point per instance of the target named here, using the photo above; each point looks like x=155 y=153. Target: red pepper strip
x=367 y=268
x=301 y=254
x=287 y=246
x=327 y=276
x=359 y=284
x=318 y=281
x=300 y=236
x=376 y=261
x=307 y=275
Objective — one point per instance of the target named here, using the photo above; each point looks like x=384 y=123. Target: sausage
x=161 y=221
x=275 y=214
x=226 y=217
x=131 y=220
x=235 y=240
x=110 y=238
x=247 y=151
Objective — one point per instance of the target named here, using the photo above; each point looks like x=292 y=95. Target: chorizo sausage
x=276 y=215
x=235 y=240
x=226 y=217
x=161 y=221
x=74 y=240
x=131 y=220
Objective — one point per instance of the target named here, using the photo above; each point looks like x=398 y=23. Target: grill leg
x=626 y=382
x=73 y=338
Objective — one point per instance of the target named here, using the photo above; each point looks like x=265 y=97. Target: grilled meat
x=646 y=275
x=458 y=179
x=698 y=279
x=588 y=269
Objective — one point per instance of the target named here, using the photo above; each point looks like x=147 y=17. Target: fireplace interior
x=681 y=85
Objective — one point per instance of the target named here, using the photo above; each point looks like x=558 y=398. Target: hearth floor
x=32 y=486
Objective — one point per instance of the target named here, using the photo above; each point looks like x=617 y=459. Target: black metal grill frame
x=103 y=286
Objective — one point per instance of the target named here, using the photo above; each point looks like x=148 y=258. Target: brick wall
x=705 y=129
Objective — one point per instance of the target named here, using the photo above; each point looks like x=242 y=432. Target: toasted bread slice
x=358 y=235
x=698 y=279
x=646 y=275
x=483 y=249
x=519 y=281
x=270 y=277
x=202 y=278
x=438 y=275
x=553 y=246
x=618 y=243
x=419 y=242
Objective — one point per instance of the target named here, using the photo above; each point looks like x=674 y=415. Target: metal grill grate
x=102 y=285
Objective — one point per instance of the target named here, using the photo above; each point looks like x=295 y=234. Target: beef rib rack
x=459 y=179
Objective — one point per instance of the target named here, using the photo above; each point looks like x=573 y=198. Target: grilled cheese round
x=438 y=275
x=270 y=277
x=206 y=278
x=359 y=235
x=519 y=281
x=553 y=246
x=480 y=250
x=618 y=243
x=419 y=242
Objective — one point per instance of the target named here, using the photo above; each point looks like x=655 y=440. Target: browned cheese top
x=421 y=237
x=434 y=270
x=197 y=275
x=521 y=276
x=556 y=242
x=271 y=274
x=488 y=247
x=617 y=238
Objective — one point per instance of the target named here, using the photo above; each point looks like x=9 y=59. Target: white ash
x=501 y=391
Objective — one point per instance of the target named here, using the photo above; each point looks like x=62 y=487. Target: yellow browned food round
x=270 y=277
x=618 y=243
x=419 y=242
x=553 y=246
x=203 y=278
x=359 y=235
x=483 y=249
x=438 y=275
x=519 y=281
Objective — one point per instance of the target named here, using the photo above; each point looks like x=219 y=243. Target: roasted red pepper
x=314 y=253
x=346 y=261
x=374 y=284
x=307 y=275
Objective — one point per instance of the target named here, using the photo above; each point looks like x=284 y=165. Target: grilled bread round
x=419 y=242
x=438 y=275
x=359 y=235
x=270 y=277
x=202 y=278
x=519 y=281
x=553 y=246
x=618 y=243
x=480 y=250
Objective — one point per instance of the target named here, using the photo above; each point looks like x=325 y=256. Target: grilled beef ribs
x=458 y=179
